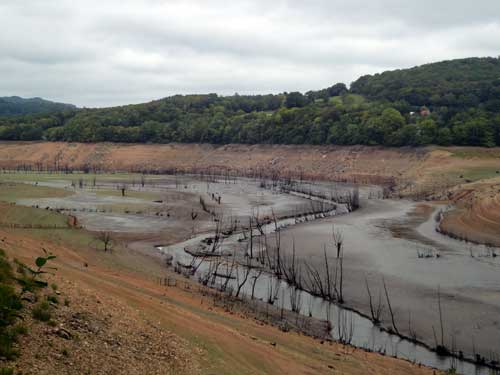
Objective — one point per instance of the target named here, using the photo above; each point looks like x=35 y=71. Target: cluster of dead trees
x=264 y=252
x=349 y=197
x=325 y=281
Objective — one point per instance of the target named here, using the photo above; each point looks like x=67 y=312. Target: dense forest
x=14 y=106
x=450 y=102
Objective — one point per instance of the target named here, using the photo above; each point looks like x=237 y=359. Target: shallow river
x=469 y=286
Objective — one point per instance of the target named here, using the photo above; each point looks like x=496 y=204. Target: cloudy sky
x=110 y=52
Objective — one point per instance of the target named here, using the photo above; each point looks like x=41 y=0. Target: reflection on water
x=346 y=325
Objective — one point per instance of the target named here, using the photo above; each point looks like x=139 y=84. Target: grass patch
x=88 y=178
x=12 y=192
x=28 y=216
x=470 y=153
x=474 y=174
x=76 y=238
x=42 y=312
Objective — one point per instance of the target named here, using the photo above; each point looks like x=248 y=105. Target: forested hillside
x=450 y=102
x=14 y=106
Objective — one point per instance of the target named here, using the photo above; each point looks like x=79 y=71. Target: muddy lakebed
x=430 y=278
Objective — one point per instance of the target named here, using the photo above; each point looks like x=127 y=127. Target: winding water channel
x=382 y=241
x=374 y=250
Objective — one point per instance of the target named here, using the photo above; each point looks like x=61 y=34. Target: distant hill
x=15 y=106
x=449 y=102
x=454 y=83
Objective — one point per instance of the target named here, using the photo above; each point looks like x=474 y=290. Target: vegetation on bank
x=19 y=288
x=451 y=102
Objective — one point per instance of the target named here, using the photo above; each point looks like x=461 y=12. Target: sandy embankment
x=477 y=216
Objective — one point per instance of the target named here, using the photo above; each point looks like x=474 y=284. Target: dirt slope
x=358 y=163
x=422 y=167
x=477 y=217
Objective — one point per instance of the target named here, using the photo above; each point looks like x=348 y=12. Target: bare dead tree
x=218 y=238
x=277 y=238
x=204 y=205
x=194 y=215
x=390 y=307
x=268 y=256
x=440 y=316
x=205 y=278
x=375 y=311
x=338 y=242
x=345 y=326
x=230 y=266
x=315 y=283
x=107 y=240
x=411 y=331
x=295 y=299
x=291 y=268
x=273 y=290
x=251 y=237
x=196 y=263
x=241 y=280
x=217 y=263
x=123 y=189
x=258 y=222
x=329 y=281
x=255 y=278
x=282 y=309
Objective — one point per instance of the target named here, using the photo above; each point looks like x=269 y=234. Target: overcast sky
x=111 y=52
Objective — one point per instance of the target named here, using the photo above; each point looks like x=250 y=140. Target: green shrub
x=42 y=312
x=30 y=279
x=6 y=275
x=6 y=371
x=20 y=329
x=10 y=301
x=10 y=304
x=7 y=340
x=53 y=299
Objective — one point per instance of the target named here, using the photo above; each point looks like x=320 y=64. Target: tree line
x=453 y=102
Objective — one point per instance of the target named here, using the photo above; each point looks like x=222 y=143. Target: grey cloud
x=97 y=53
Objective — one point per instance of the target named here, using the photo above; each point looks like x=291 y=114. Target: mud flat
x=469 y=286
x=346 y=324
